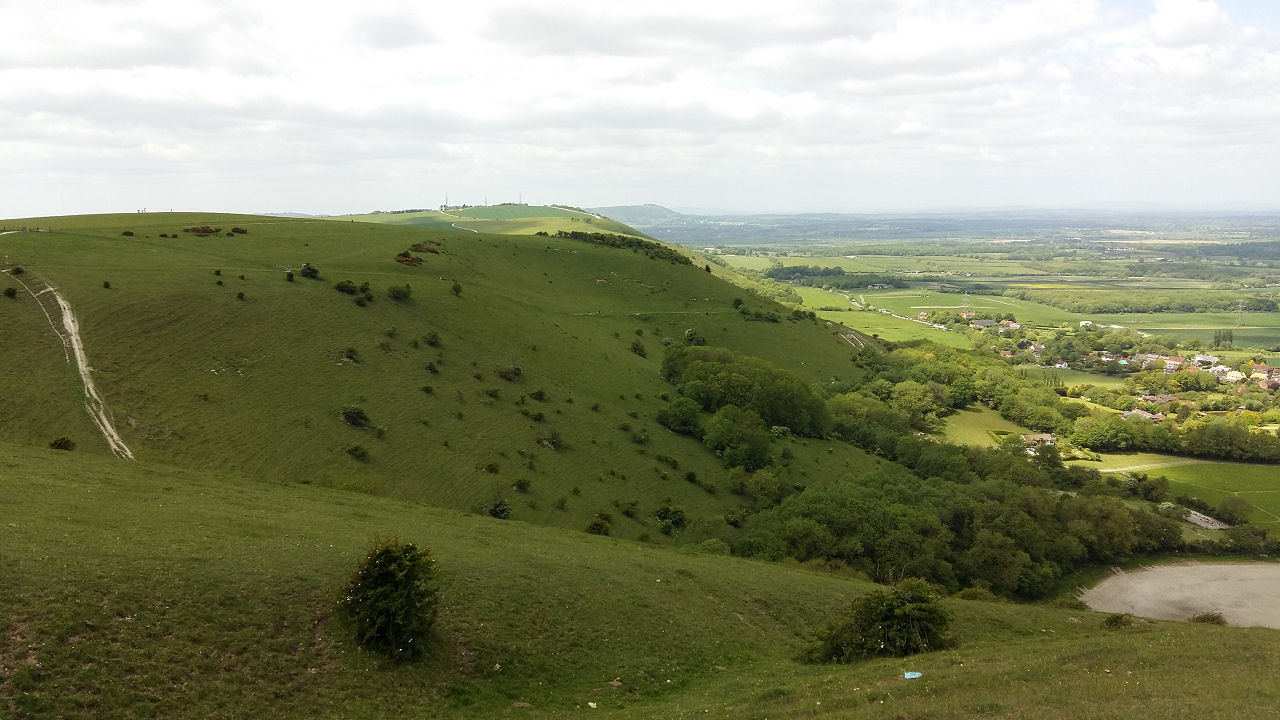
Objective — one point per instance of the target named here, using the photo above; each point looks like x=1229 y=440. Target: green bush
x=63 y=443
x=1211 y=617
x=1117 y=621
x=392 y=598
x=903 y=620
x=11 y=292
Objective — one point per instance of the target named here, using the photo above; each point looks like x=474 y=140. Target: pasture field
x=1209 y=480
x=910 y=301
x=995 y=265
x=186 y=366
x=1079 y=377
x=747 y=262
x=973 y=426
x=214 y=602
x=500 y=220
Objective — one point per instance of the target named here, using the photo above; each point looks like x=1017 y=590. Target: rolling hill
x=427 y=378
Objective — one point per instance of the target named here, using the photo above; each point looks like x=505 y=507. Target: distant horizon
x=1139 y=208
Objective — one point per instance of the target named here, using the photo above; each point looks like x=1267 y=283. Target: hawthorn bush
x=903 y=620
x=392 y=599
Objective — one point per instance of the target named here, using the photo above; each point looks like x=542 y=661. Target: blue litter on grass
x=910 y=675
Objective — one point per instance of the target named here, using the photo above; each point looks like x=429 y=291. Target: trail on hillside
x=71 y=342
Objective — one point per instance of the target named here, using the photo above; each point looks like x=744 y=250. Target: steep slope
x=209 y=357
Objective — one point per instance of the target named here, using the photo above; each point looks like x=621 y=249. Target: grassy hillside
x=197 y=376
x=503 y=220
x=135 y=589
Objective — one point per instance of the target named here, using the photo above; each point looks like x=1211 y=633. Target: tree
x=392 y=599
x=739 y=437
x=904 y=620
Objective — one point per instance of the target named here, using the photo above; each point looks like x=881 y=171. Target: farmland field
x=911 y=301
x=971 y=426
x=1209 y=480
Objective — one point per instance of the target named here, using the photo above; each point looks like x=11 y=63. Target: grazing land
x=649 y=477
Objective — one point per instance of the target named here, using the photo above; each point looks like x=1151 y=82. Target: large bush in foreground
x=903 y=620
x=391 y=599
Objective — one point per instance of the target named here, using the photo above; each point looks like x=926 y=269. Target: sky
x=805 y=105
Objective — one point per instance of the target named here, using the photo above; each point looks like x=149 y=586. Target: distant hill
x=638 y=215
x=505 y=219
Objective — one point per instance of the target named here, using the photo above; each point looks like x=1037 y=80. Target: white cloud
x=817 y=103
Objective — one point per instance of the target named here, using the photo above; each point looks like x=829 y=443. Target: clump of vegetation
x=63 y=443
x=399 y=293
x=11 y=292
x=355 y=417
x=239 y=230
x=499 y=508
x=358 y=453
x=671 y=518
x=637 y=347
x=599 y=525
x=510 y=373
x=902 y=620
x=288 y=276
x=392 y=599
x=406 y=258
x=127 y=233
x=1117 y=621
x=1211 y=617
x=309 y=271
x=106 y=284
x=457 y=289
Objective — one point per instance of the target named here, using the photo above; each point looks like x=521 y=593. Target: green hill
x=136 y=589
x=444 y=375
x=507 y=219
x=199 y=376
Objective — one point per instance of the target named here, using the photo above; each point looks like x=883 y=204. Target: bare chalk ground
x=1247 y=594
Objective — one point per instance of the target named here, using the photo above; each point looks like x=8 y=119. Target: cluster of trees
x=990 y=532
x=655 y=250
x=1127 y=301
x=1210 y=436
x=831 y=277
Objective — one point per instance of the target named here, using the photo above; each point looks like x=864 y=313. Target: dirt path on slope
x=72 y=343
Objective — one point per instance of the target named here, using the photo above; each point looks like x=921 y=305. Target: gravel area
x=1247 y=594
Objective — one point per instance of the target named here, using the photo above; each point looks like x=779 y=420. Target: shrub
x=637 y=347
x=355 y=417
x=288 y=276
x=598 y=526
x=17 y=270
x=392 y=599
x=457 y=289
x=904 y=619
x=1211 y=617
x=127 y=233
x=346 y=286
x=499 y=508
x=399 y=293
x=106 y=284
x=309 y=271
x=240 y=295
x=358 y=453
x=1117 y=621
x=63 y=443
x=11 y=293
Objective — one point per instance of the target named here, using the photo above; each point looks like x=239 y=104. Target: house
x=1205 y=360
x=1173 y=364
x=1006 y=353
x=1268 y=384
x=1163 y=399
x=1062 y=366
x=1232 y=376
x=984 y=324
x=1037 y=439
x=922 y=316
x=1153 y=417
x=966 y=315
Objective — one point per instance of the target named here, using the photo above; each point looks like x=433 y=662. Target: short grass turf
x=134 y=589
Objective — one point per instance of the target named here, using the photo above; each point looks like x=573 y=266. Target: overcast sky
x=853 y=105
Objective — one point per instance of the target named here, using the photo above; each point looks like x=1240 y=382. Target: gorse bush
x=903 y=620
x=392 y=599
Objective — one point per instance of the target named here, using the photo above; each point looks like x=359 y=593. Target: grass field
x=500 y=220
x=910 y=301
x=973 y=426
x=1209 y=480
x=187 y=367
x=211 y=600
